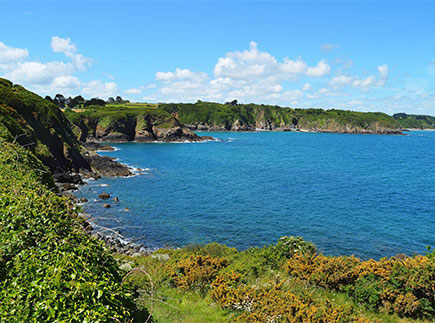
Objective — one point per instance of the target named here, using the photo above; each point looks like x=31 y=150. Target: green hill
x=209 y=116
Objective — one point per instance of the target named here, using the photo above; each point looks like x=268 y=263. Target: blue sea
x=367 y=195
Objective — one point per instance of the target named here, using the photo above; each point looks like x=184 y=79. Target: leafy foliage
x=50 y=268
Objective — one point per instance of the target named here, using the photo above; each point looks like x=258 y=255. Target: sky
x=362 y=56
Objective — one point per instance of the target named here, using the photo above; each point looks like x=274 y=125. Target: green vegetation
x=232 y=116
x=413 y=121
x=50 y=268
x=37 y=124
x=285 y=282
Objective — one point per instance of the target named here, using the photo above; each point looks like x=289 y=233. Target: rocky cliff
x=209 y=116
x=39 y=126
x=122 y=123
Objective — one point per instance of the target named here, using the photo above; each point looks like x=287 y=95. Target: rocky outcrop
x=144 y=126
x=41 y=127
x=105 y=166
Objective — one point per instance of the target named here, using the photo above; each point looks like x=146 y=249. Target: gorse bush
x=271 y=302
x=196 y=271
x=404 y=286
x=50 y=269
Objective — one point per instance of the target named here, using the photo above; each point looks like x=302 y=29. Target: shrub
x=196 y=271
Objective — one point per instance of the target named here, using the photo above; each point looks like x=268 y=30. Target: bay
x=367 y=195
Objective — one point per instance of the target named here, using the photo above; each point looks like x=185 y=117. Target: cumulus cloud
x=10 y=54
x=248 y=75
x=321 y=69
x=44 y=77
x=341 y=80
x=100 y=89
x=62 y=45
x=180 y=74
x=65 y=46
x=362 y=84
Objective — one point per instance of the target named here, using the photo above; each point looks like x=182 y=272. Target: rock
x=208 y=138
x=115 y=199
x=107 y=206
x=64 y=177
x=104 y=196
x=106 y=166
x=127 y=209
x=83 y=200
x=93 y=146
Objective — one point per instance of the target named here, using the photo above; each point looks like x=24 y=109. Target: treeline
x=79 y=102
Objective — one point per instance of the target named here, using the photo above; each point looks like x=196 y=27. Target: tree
x=59 y=100
x=95 y=101
x=118 y=99
x=74 y=102
x=49 y=98
x=234 y=102
x=110 y=100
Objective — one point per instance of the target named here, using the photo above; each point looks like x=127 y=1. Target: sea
x=371 y=196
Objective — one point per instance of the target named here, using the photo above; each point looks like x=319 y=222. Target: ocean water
x=367 y=195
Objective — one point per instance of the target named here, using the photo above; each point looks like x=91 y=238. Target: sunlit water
x=368 y=195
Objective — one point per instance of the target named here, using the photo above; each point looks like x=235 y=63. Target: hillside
x=128 y=123
x=208 y=116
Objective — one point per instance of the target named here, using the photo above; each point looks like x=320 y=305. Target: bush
x=50 y=269
x=196 y=272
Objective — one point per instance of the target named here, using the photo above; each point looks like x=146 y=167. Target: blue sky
x=348 y=55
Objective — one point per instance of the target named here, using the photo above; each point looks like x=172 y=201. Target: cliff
x=124 y=123
x=39 y=126
x=208 y=116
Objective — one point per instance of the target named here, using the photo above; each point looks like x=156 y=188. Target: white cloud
x=383 y=74
x=10 y=54
x=248 y=76
x=62 y=45
x=65 y=46
x=293 y=67
x=321 y=69
x=38 y=73
x=364 y=84
x=341 y=80
x=45 y=77
x=67 y=82
x=99 y=89
x=180 y=74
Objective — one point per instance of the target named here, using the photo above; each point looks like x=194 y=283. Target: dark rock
x=93 y=146
x=107 y=206
x=65 y=177
x=115 y=199
x=106 y=166
x=104 y=196
x=83 y=200
x=66 y=187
